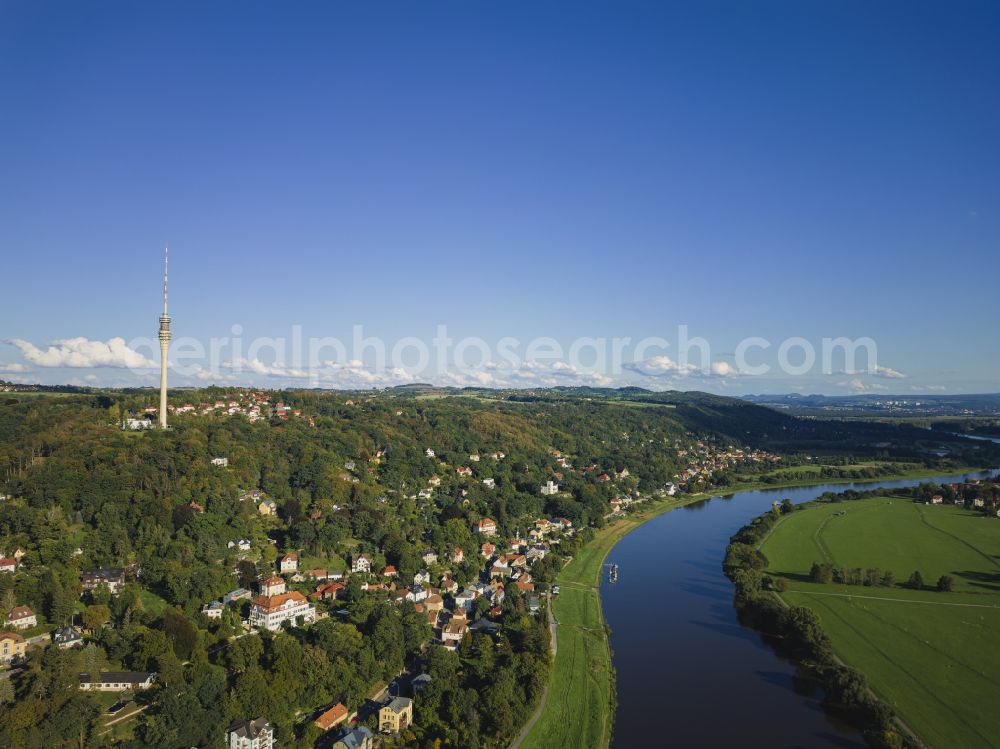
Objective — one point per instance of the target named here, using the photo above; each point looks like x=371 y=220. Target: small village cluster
x=705 y=460
x=251 y=404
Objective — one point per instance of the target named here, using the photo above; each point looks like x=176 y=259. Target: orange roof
x=272 y=603
x=333 y=716
x=11 y=636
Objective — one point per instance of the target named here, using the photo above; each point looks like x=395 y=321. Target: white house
x=213 y=610
x=361 y=563
x=250 y=734
x=21 y=617
x=221 y=462
x=486 y=527
x=117 y=681
x=550 y=487
x=289 y=563
x=270 y=612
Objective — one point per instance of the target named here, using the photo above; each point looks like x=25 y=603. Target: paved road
x=554 y=646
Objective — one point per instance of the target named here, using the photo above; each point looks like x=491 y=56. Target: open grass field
x=931 y=655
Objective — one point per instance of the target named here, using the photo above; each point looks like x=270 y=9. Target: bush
x=945 y=583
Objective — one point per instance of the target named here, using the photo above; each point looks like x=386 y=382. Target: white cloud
x=888 y=373
x=665 y=367
x=660 y=366
x=84 y=354
x=13 y=367
x=858 y=385
x=724 y=369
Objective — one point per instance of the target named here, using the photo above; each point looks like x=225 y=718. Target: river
x=687 y=671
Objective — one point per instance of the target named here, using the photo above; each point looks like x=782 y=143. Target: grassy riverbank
x=579 y=711
x=910 y=473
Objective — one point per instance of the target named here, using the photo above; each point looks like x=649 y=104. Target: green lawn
x=931 y=655
x=152 y=602
x=332 y=563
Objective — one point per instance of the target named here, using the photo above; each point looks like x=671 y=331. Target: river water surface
x=688 y=674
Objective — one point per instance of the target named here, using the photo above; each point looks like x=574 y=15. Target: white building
x=221 y=462
x=550 y=487
x=117 y=681
x=270 y=612
x=250 y=734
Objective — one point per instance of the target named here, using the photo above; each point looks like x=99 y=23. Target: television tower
x=164 y=345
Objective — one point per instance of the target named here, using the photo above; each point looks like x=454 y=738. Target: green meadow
x=931 y=655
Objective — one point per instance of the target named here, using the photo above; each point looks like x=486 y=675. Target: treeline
x=825 y=573
x=802 y=636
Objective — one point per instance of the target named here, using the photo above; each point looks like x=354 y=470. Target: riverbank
x=580 y=704
x=916 y=473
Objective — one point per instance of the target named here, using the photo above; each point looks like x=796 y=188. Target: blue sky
x=516 y=169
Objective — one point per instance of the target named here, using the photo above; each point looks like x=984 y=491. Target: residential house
x=429 y=453
x=423 y=577
x=465 y=599
x=489 y=483
x=8 y=564
x=12 y=647
x=429 y=556
x=448 y=584
x=21 y=617
x=487 y=550
x=66 y=637
x=550 y=487
x=220 y=462
x=213 y=610
x=361 y=563
x=242 y=544
x=395 y=715
x=500 y=568
x=357 y=738
x=463 y=471
x=332 y=717
x=390 y=571
x=237 y=595
x=937 y=499
x=486 y=527
x=434 y=602
x=328 y=591
x=272 y=586
x=117 y=681
x=113 y=577
x=268 y=508
x=289 y=563
x=457 y=555
x=455 y=629
x=250 y=734
x=434 y=481
x=270 y=612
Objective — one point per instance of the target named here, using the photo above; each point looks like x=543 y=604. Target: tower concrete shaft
x=164 y=346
